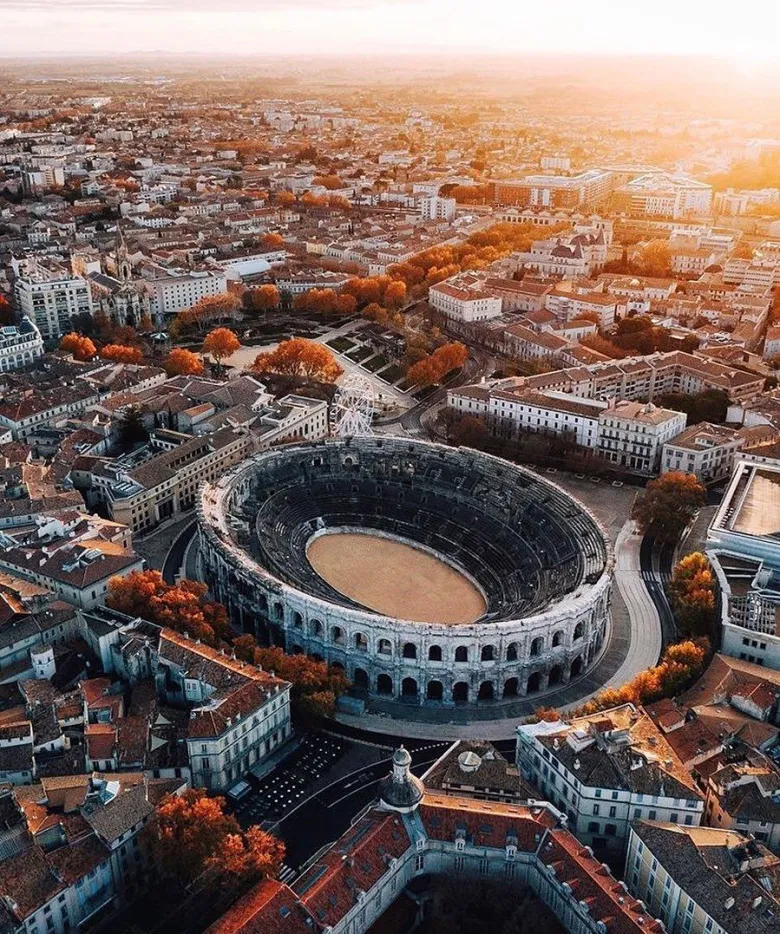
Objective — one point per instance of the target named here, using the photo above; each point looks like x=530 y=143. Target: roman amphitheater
x=431 y=575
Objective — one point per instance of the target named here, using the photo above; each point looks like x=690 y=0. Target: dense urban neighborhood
x=389 y=498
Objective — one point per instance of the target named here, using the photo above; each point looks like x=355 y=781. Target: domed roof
x=400 y=790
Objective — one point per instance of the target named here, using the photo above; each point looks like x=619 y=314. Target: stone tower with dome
x=400 y=790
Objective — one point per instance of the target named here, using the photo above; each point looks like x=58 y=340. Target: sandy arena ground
x=395 y=579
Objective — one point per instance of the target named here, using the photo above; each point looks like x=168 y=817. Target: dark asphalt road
x=175 y=557
x=326 y=815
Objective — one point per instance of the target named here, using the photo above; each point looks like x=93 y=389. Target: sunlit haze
x=354 y=27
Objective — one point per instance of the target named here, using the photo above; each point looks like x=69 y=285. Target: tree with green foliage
x=131 y=428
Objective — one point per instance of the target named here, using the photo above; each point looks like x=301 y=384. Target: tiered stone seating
x=522 y=539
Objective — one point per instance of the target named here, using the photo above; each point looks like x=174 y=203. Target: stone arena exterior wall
x=394 y=658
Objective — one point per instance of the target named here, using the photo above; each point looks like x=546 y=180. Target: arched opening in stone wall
x=384 y=684
x=579 y=631
x=511 y=687
x=360 y=679
x=460 y=692
x=384 y=647
x=576 y=667
x=488 y=653
x=316 y=628
x=297 y=620
x=556 y=675
x=558 y=638
x=337 y=635
x=410 y=650
x=461 y=653
x=534 y=683
x=361 y=643
x=408 y=687
x=434 y=653
x=537 y=646
x=435 y=691
x=486 y=692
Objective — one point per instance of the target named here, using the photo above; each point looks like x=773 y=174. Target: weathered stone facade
x=541 y=560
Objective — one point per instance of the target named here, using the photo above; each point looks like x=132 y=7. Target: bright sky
x=290 y=27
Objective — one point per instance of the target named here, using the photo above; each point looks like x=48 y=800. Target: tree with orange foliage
x=183 y=607
x=300 y=358
x=191 y=834
x=311 y=200
x=366 y=290
x=315 y=685
x=285 y=199
x=271 y=241
x=346 y=304
x=220 y=344
x=424 y=372
x=395 y=294
x=692 y=592
x=331 y=182
x=264 y=298
x=375 y=312
x=340 y=202
x=680 y=664
x=181 y=362
x=206 y=311
x=669 y=503
x=120 y=353
x=450 y=357
x=80 y=346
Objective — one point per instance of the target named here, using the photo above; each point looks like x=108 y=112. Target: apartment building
x=511 y=413
x=180 y=290
x=435 y=208
x=744 y=793
x=605 y=771
x=585 y=190
x=55 y=882
x=659 y=194
x=465 y=298
x=298 y=283
x=145 y=488
x=567 y=305
x=72 y=555
x=632 y=434
x=706 y=450
x=742 y=546
x=20 y=346
x=53 y=303
x=702 y=880
x=24 y=411
x=239 y=715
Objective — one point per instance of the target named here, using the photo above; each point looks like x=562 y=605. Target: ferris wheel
x=352 y=411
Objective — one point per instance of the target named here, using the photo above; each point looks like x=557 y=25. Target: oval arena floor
x=395 y=578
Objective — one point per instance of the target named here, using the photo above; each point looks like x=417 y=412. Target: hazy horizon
x=271 y=28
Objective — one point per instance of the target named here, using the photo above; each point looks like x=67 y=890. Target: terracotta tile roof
x=356 y=862
x=268 y=908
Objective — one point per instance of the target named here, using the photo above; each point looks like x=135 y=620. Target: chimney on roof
x=729 y=903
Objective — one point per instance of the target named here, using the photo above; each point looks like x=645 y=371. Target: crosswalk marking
x=285 y=873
